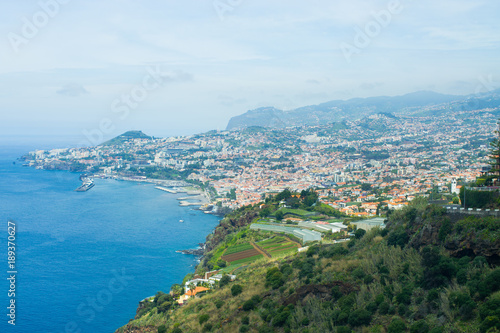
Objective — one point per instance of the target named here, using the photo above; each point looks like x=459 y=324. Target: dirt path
x=258 y=248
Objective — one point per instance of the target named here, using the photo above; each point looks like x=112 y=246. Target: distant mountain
x=125 y=137
x=339 y=110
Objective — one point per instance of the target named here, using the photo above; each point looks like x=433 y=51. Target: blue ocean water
x=85 y=259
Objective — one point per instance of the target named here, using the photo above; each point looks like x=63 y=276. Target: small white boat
x=181 y=221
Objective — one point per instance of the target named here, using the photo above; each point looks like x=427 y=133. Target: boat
x=87 y=184
x=181 y=221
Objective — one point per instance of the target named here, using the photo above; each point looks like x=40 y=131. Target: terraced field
x=241 y=253
x=238 y=248
x=278 y=245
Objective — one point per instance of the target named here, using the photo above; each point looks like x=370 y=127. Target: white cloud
x=282 y=53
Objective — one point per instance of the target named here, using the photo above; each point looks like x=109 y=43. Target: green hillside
x=125 y=137
x=424 y=273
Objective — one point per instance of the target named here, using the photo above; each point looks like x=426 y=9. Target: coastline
x=129 y=234
x=199 y=196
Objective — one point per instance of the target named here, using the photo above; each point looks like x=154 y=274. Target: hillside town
x=358 y=167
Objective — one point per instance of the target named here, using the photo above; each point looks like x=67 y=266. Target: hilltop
x=120 y=139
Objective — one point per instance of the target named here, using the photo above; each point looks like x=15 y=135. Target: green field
x=238 y=248
x=281 y=247
x=272 y=241
x=246 y=260
x=283 y=251
x=278 y=245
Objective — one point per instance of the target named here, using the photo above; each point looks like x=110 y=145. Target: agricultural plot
x=238 y=248
x=278 y=245
x=241 y=253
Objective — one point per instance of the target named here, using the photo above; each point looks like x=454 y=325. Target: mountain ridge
x=354 y=108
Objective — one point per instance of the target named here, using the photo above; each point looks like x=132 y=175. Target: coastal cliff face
x=228 y=225
x=151 y=329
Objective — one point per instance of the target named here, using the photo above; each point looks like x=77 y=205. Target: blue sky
x=74 y=67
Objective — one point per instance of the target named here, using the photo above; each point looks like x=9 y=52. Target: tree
x=396 y=326
x=192 y=287
x=359 y=233
x=279 y=215
x=366 y=187
x=176 y=289
x=224 y=280
x=359 y=317
x=236 y=290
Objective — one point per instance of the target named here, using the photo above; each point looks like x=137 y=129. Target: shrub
x=491 y=307
x=245 y=320
x=224 y=280
x=396 y=326
x=162 y=329
x=419 y=327
x=358 y=273
x=368 y=279
x=248 y=305
x=489 y=322
x=286 y=269
x=305 y=322
x=462 y=276
x=383 y=308
x=463 y=303
x=221 y=263
x=336 y=293
x=203 y=318
x=342 y=318
x=343 y=329
x=256 y=299
x=359 y=233
x=177 y=330
x=236 y=290
x=398 y=238
x=404 y=297
x=244 y=328
x=492 y=280
x=359 y=317
x=164 y=307
x=281 y=318
x=312 y=250
x=208 y=327
x=219 y=303
x=379 y=299
x=402 y=309
x=445 y=229
x=372 y=307
x=346 y=302
x=265 y=329
x=274 y=278
x=436 y=330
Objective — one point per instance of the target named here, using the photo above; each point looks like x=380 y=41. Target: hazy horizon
x=73 y=68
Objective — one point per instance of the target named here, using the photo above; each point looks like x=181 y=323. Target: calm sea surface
x=85 y=260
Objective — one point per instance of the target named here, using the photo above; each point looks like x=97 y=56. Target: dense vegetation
x=412 y=277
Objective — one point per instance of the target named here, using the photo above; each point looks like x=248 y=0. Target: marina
x=87 y=184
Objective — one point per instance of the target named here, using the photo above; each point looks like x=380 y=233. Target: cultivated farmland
x=278 y=245
x=241 y=253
